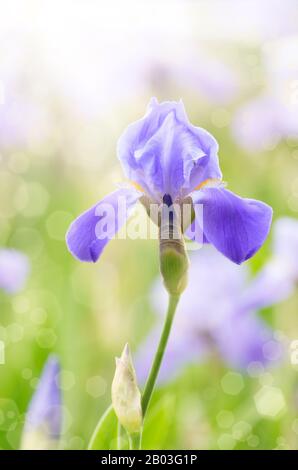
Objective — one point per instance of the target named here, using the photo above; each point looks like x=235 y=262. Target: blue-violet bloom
x=43 y=423
x=278 y=279
x=263 y=122
x=165 y=157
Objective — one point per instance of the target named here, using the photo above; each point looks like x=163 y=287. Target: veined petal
x=90 y=232
x=207 y=166
x=166 y=154
x=236 y=227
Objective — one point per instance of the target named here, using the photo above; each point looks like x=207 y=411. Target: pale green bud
x=174 y=267
x=126 y=396
x=173 y=258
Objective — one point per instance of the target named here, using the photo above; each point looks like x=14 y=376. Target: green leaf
x=105 y=434
x=158 y=423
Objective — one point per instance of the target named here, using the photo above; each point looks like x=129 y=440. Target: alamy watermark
x=166 y=222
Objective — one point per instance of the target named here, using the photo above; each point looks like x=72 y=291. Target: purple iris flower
x=43 y=422
x=220 y=320
x=272 y=116
x=256 y=126
x=279 y=277
x=285 y=246
x=263 y=122
x=14 y=270
x=164 y=155
x=20 y=121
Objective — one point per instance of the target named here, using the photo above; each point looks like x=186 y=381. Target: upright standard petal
x=43 y=421
x=90 y=232
x=165 y=154
x=236 y=227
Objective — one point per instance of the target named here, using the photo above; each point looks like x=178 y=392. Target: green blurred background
x=74 y=75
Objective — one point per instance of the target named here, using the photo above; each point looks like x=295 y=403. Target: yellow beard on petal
x=137 y=186
x=209 y=183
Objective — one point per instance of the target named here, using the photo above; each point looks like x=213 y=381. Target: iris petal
x=236 y=227
x=166 y=154
x=92 y=230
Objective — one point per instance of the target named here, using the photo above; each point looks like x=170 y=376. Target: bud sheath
x=173 y=258
x=126 y=396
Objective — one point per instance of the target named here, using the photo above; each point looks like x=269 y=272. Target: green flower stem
x=173 y=301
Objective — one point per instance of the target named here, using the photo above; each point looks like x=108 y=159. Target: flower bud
x=43 y=421
x=126 y=396
x=173 y=258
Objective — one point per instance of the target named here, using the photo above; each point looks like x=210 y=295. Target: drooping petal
x=236 y=227
x=91 y=231
x=165 y=154
x=43 y=421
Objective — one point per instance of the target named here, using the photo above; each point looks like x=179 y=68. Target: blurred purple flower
x=256 y=126
x=166 y=157
x=155 y=53
x=201 y=73
x=218 y=320
x=279 y=277
x=43 y=422
x=86 y=71
x=263 y=122
x=14 y=270
x=22 y=116
x=285 y=246
x=20 y=121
